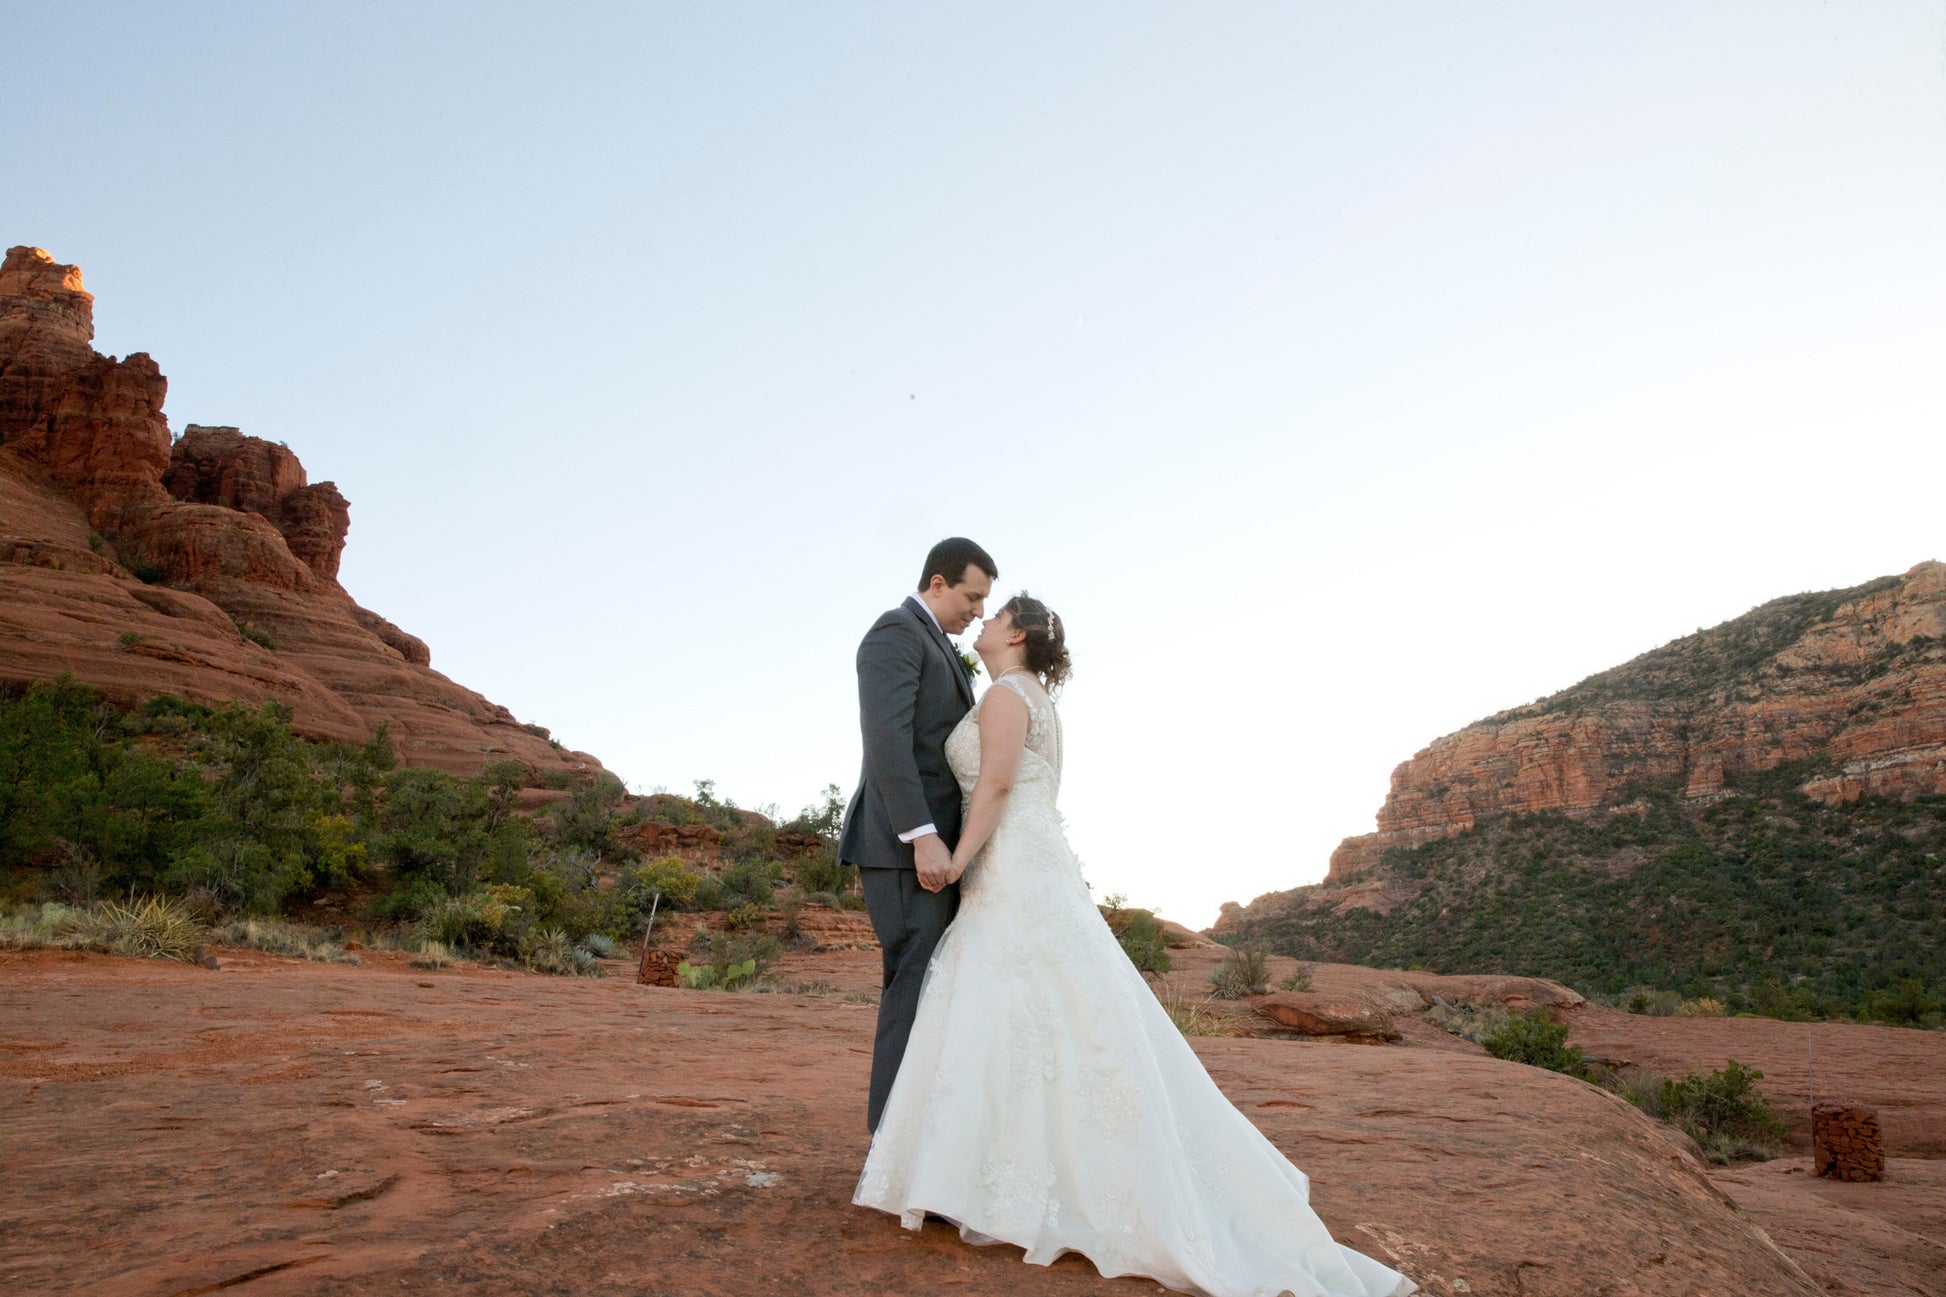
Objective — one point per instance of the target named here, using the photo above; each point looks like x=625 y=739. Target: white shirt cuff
x=915 y=834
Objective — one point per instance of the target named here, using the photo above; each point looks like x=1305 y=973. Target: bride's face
x=996 y=632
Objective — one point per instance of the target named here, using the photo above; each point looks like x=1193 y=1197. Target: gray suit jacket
x=912 y=691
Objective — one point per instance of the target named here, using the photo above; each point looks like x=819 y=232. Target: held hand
x=933 y=861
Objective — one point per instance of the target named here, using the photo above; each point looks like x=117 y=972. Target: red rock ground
x=285 y=1128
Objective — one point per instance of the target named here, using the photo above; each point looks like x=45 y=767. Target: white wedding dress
x=1046 y=1099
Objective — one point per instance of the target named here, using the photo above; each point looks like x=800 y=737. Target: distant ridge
x=1636 y=827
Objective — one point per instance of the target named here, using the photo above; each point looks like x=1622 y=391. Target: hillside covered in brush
x=232 y=812
x=1755 y=814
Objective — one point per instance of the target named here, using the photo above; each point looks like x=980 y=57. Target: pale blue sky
x=1341 y=373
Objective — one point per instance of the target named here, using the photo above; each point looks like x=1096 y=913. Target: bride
x=1045 y=1098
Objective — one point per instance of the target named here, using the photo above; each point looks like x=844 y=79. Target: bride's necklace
x=1012 y=670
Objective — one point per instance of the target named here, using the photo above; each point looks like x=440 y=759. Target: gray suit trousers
x=909 y=921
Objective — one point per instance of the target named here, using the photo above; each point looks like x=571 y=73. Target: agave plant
x=153 y=927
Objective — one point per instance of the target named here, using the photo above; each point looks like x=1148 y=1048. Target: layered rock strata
x=1846 y=686
x=1864 y=686
x=205 y=565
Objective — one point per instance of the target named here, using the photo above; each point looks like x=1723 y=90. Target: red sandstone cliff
x=1853 y=680
x=228 y=531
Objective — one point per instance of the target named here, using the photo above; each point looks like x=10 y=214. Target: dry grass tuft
x=151 y=927
x=823 y=990
x=432 y=954
x=274 y=937
x=1192 y=1017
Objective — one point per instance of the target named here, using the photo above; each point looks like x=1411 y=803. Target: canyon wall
x=1847 y=687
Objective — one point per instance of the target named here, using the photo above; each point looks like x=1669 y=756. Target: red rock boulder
x=1312 y=1015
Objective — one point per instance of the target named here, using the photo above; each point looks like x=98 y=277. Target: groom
x=904 y=820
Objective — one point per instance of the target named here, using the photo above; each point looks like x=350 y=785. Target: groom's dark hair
x=951 y=557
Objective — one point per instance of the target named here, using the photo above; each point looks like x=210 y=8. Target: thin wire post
x=1810 y=1080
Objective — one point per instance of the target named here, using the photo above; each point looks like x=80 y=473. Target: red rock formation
x=1313 y=1015
x=94 y=425
x=93 y=490
x=1864 y=684
x=223 y=467
x=658 y=838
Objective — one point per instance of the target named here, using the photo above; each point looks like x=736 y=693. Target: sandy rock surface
x=1871 y=1240
x=1899 y=1071
x=282 y=1127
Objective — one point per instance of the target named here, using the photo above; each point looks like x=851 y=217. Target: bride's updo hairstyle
x=1047 y=639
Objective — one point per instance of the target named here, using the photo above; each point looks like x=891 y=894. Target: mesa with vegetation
x=1765 y=902
x=1751 y=817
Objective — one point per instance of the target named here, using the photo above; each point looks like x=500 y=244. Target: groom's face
x=957 y=606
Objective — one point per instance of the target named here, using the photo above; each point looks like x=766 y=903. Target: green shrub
x=586 y=819
x=551 y=950
x=1649 y=1001
x=1721 y=1110
x=1243 y=972
x=503 y=781
x=745 y=916
x=790 y=911
x=490 y=920
x=253 y=634
x=338 y=857
x=824 y=873
x=751 y=882
x=1536 y=1039
x=750 y=842
x=1904 y=1005
x=824 y=818
x=715 y=977
x=667 y=876
x=417 y=900
x=434 y=825
x=722 y=812
x=1298 y=979
x=1141 y=939
x=725 y=962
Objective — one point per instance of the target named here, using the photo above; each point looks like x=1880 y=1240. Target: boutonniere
x=969 y=662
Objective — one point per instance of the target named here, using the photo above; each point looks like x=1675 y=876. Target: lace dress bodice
x=1040 y=763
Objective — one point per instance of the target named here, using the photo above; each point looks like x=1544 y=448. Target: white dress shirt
x=913 y=835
